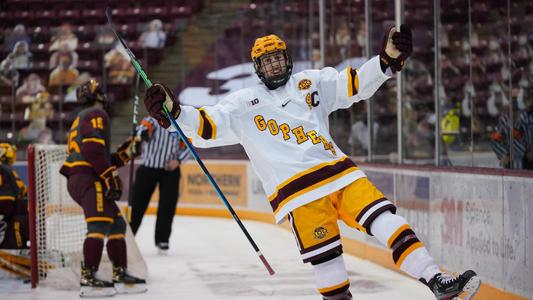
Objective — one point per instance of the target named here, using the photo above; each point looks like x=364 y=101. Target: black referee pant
x=146 y=180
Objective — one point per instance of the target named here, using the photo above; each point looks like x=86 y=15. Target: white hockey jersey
x=285 y=132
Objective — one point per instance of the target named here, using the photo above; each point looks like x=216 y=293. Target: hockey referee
x=161 y=156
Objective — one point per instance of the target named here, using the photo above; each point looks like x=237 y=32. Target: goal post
x=57 y=225
x=31 y=217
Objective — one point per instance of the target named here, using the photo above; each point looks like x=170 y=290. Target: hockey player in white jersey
x=283 y=126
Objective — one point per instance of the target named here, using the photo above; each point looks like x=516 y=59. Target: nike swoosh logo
x=285 y=104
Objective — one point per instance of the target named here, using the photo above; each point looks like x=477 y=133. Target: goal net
x=57 y=225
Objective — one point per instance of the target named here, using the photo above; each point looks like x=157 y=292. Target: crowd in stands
x=46 y=52
x=33 y=88
x=480 y=76
x=57 y=45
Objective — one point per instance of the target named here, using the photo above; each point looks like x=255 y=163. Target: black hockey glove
x=396 y=48
x=112 y=184
x=154 y=99
x=131 y=148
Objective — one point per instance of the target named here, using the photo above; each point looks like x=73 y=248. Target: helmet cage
x=89 y=93
x=276 y=81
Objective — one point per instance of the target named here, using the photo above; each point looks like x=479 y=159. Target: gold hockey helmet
x=8 y=153
x=268 y=44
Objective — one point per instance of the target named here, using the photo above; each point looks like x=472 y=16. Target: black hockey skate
x=126 y=283
x=92 y=287
x=449 y=287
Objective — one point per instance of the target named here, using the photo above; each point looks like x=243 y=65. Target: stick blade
x=109 y=14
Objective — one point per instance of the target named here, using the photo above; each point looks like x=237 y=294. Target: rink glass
x=480 y=73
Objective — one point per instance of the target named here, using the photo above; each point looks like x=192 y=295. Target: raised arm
x=342 y=89
x=209 y=126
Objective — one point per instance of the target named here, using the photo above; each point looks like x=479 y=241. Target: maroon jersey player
x=13 y=210
x=93 y=182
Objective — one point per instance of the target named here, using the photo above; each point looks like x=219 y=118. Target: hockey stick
x=134 y=123
x=14 y=268
x=184 y=138
x=16 y=259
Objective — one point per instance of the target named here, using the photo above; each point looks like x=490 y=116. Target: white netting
x=61 y=228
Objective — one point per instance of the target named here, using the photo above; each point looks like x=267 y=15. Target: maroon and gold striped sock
x=408 y=252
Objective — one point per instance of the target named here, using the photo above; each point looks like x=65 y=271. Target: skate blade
x=137 y=288
x=162 y=252
x=471 y=287
x=96 y=292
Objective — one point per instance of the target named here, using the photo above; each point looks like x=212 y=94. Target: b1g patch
x=320 y=233
x=253 y=102
x=304 y=84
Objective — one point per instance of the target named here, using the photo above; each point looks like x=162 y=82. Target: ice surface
x=210 y=258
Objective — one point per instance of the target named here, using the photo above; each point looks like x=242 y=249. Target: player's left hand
x=396 y=48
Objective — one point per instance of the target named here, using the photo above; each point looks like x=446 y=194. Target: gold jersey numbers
x=97 y=123
x=299 y=133
x=72 y=145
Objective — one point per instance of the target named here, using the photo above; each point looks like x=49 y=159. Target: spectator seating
x=42 y=19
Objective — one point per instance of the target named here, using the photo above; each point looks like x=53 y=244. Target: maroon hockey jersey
x=88 y=145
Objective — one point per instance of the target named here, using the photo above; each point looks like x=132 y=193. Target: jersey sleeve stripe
x=99 y=219
x=207 y=129
x=76 y=164
x=7 y=198
x=93 y=140
x=353 y=82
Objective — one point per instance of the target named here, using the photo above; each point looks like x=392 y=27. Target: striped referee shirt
x=525 y=127
x=161 y=146
x=499 y=141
